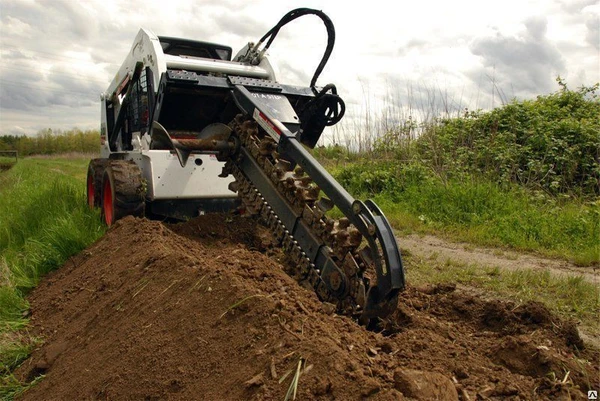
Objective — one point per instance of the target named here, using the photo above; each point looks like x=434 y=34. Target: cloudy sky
x=57 y=56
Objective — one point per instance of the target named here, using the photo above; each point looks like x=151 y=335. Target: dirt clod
x=255 y=381
x=424 y=385
x=154 y=311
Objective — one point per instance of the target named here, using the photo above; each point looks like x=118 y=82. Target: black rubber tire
x=94 y=182
x=123 y=191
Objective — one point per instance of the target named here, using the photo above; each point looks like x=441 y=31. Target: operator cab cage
x=187 y=85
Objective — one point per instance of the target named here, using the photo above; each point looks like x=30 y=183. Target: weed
x=524 y=175
x=11 y=387
x=241 y=301
x=293 y=388
x=48 y=142
x=479 y=211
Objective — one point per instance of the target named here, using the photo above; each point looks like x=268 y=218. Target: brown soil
x=203 y=310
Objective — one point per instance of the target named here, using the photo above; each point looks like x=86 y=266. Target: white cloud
x=56 y=56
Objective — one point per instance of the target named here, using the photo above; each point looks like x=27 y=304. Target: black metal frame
x=183 y=209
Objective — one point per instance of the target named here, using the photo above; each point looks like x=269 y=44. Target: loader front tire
x=94 y=182
x=123 y=192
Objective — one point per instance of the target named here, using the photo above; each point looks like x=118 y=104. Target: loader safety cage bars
x=273 y=94
x=135 y=113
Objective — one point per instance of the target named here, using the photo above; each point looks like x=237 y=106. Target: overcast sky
x=57 y=56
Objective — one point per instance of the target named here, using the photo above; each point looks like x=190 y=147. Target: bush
x=381 y=176
x=551 y=143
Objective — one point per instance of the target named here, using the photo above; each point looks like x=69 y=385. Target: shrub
x=551 y=143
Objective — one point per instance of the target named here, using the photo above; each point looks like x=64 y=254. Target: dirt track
x=203 y=311
x=428 y=247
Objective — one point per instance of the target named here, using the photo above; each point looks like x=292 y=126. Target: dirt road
x=430 y=247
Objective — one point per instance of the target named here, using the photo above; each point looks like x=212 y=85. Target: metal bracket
x=272 y=86
x=183 y=76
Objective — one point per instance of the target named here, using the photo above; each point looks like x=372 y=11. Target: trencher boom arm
x=382 y=251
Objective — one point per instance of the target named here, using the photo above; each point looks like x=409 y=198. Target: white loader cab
x=141 y=172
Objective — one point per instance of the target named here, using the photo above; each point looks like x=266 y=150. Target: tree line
x=49 y=142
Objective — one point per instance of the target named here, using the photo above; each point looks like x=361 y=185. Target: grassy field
x=7 y=160
x=6 y=163
x=44 y=220
x=484 y=213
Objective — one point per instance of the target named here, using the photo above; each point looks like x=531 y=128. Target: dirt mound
x=199 y=311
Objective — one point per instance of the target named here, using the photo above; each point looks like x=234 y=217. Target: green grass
x=44 y=220
x=11 y=387
x=568 y=296
x=478 y=211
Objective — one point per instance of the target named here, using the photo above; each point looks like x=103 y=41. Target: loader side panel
x=166 y=179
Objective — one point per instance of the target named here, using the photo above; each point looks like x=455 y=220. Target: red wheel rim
x=107 y=202
x=91 y=195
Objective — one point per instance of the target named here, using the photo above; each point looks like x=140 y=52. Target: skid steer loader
x=187 y=128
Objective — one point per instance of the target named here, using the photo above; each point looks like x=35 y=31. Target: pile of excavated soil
x=201 y=311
